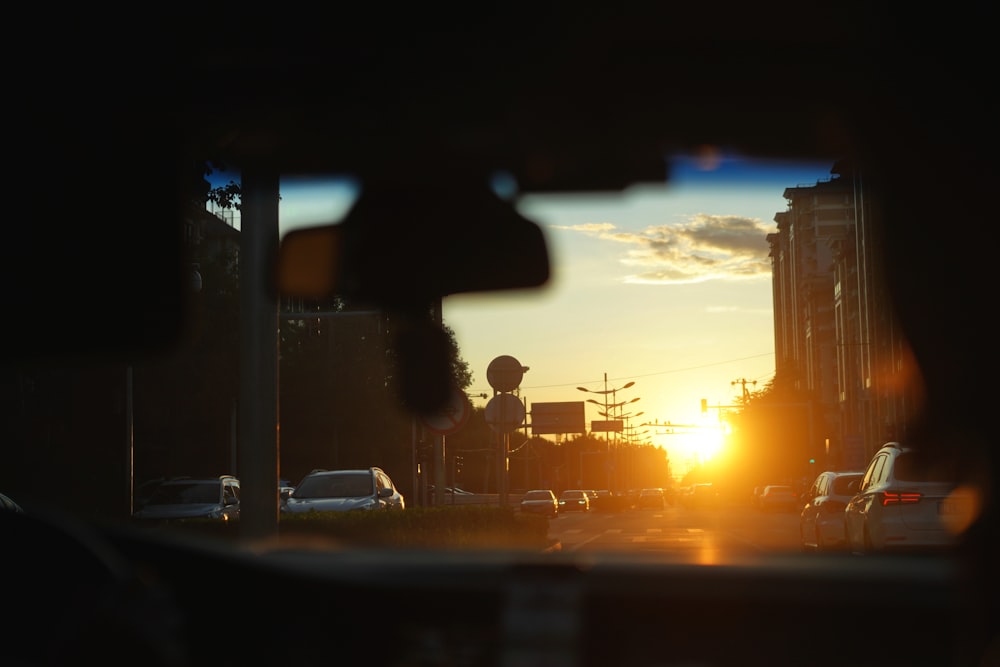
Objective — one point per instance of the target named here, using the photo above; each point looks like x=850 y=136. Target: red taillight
x=899 y=498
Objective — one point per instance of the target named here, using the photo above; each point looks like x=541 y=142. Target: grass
x=451 y=527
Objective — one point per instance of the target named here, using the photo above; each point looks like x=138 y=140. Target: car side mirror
x=385 y=493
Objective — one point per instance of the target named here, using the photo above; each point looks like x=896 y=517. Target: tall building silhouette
x=835 y=335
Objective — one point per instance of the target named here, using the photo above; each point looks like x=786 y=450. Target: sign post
x=450 y=418
x=504 y=412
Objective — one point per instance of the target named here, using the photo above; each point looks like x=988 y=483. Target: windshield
x=662 y=358
x=343 y=485
x=674 y=353
x=185 y=493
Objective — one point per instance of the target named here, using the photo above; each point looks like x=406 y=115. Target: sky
x=666 y=286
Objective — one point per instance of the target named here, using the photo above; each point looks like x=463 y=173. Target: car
x=9 y=504
x=344 y=490
x=285 y=488
x=120 y=357
x=540 y=501
x=702 y=495
x=574 y=500
x=192 y=498
x=906 y=502
x=821 y=520
x=653 y=498
x=452 y=490
x=779 y=498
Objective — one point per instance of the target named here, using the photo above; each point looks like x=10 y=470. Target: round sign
x=451 y=417
x=505 y=373
x=504 y=413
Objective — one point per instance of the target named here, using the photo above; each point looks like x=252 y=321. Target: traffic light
x=704 y=405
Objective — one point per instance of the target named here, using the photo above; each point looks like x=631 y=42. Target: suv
x=193 y=498
x=344 y=490
x=906 y=502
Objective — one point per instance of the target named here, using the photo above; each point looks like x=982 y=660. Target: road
x=697 y=535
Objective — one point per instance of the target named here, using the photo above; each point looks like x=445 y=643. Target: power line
x=669 y=372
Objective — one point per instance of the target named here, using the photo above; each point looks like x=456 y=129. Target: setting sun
x=691 y=445
x=705 y=443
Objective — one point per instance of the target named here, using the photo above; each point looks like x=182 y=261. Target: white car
x=344 y=490
x=540 y=501
x=821 y=521
x=903 y=505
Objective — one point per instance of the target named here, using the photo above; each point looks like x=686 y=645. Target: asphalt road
x=697 y=535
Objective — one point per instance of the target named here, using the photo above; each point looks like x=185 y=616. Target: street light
x=613 y=391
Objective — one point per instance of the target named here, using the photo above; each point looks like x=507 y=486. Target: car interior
x=424 y=107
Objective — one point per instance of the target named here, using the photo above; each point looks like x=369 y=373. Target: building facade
x=835 y=337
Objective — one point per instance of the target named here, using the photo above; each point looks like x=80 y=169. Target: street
x=705 y=536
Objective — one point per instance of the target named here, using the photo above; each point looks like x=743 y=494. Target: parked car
x=651 y=498
x=779 y=498
x=821 y=521
x=574 y=500
x=193 y=498
x=906 y=502
x=540 y=501
x=345 y=490
x=452 y=490
x=9 y=504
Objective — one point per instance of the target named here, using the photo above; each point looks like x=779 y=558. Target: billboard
x=564 y=417
x=615 y=425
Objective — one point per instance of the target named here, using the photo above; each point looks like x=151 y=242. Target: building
x=835 y=335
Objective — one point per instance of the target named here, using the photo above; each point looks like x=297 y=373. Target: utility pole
x=743 y=382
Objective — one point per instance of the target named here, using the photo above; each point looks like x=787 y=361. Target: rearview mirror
x=404 y=244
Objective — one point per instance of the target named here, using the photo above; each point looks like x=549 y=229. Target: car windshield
x=343 y=485
x=537 y=495
x=181 y=493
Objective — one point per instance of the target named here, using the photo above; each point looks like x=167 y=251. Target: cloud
x=705 y=247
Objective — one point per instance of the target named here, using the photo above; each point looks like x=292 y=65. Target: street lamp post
x=613 y=391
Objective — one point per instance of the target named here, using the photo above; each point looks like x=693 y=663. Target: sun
x=705 y=443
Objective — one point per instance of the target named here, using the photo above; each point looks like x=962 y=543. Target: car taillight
x=899 y=498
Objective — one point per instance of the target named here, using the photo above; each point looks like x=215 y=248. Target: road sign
x=504 y=413
x=505 y=373
x=565 y=417
x=449 y=418
x=612 y=425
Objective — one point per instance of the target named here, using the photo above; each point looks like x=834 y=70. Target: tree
x=772 y=435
